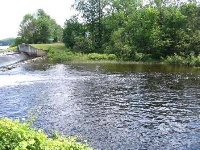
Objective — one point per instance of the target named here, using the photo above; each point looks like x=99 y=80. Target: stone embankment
x=31 y=51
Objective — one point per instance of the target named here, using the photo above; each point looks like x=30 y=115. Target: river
x=3 y=47
x=112 y=106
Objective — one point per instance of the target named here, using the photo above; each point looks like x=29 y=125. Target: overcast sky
x=12 y=12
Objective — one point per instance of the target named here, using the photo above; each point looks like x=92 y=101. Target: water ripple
x=111 y=108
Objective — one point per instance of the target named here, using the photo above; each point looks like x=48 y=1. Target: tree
x=192 y=13
x=157 y=29
x=28 y=29
x=39 y=28
x=72 y=30
x=92 y=14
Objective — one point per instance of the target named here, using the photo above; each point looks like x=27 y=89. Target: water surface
x=3 y=47
x=112 y=106
x=7 y=59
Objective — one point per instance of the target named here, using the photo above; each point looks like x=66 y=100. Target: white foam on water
x=10 y=58
x=13 y=80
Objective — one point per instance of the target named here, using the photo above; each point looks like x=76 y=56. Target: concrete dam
x=31 y=51
x=23 y=52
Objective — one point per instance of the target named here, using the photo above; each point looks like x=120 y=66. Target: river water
x=11 y=58
x=3 y=47
x=112 y=106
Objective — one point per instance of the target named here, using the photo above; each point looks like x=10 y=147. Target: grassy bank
x=20 y=136
x=57 y=52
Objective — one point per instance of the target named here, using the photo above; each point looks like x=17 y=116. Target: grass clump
x=20 y=136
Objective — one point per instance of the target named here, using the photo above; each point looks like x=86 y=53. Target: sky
x=13 y=11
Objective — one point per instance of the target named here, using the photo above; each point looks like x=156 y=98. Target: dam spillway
x=24 y=52
x=31 y=51
x=11 y=58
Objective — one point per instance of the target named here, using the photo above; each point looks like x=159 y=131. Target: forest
x=133 y=30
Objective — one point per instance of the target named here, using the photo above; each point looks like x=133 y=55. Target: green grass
x=57 y=52
x=54 y=46
x=21 y=136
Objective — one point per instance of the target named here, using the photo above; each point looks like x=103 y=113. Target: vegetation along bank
x=126 y=30
x=21 y=136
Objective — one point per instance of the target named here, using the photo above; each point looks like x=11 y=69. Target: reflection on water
x=112 y=106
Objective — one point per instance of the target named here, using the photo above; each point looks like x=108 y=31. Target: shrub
x=192 y=60
x=83 y=45
x=60 y=56
x=111 y=57
x=139 y=56
x=96 y=56
x=175 y=60
x=189 y=60
x=143 y=57
x=197 y=61
x=20 y=136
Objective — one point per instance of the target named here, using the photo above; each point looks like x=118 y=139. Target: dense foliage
x=20 y=136
x=130 y=29
x=58 y=53
x=39 y=28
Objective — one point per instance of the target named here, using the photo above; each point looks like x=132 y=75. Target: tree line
x=133 y=28
x=130 y=29
x=6 y=42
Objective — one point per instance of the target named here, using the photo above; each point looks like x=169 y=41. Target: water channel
x=112 y=106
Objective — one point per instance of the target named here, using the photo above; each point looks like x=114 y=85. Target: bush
x=111 y=57
x=60 y=56
x=143 y=57
x=20 y=136
x=190 y=60
x=83 y=45
x=96 y=56
x=197 y=61
x=175 y=60
x=17 y=41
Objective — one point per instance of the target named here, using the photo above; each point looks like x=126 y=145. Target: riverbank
x=8 y=49
x=60 y=54
x=16 y=135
